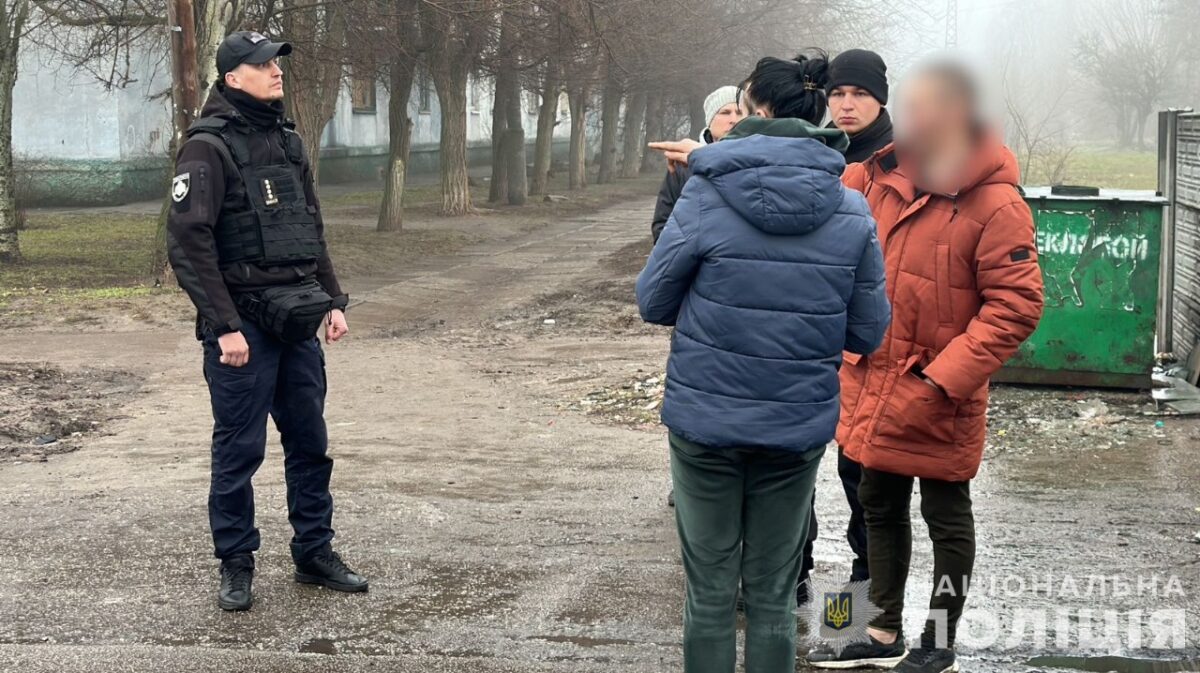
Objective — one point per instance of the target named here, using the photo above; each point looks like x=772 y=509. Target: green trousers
x=743 y=519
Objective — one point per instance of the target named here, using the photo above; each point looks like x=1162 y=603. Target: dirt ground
x=501 y=480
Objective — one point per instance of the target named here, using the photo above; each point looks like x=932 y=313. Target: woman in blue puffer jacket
x=769 y=269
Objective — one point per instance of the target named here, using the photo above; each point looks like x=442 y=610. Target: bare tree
x=610 y=118
x=1129 y=59
x=634 y=137
x=14 y=14
x=98 y=37
x=313 y=73
x=456 y=36
x=509 y=176
x=543 y=153
x=400 y=52
x=654 y=129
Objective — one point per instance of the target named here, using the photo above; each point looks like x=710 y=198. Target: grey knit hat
x=717 y=100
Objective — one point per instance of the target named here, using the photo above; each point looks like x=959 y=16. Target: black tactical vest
x=268 y=222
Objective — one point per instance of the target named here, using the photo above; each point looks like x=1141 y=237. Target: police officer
x=246 y=239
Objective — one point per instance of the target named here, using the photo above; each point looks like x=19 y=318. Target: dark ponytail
x=794 y=88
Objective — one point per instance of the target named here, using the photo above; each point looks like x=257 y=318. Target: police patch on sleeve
x=181 y=186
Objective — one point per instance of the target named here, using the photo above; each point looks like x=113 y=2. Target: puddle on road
x=318 y=646
x=1116 y=664
x=584 y=641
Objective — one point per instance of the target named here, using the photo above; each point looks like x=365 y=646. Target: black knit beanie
x=861 y=68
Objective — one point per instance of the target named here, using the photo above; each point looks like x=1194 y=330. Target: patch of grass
x=90 y=250
x=358 y=251
x=1107 y=169
x=413 y=196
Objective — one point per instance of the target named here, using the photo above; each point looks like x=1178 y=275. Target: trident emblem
x=838 y=610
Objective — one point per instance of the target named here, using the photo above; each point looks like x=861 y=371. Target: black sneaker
x=859 y=655
x=929 y=660
x=327 y=569
x=237 y=578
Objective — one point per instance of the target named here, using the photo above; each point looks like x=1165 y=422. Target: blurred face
x=930 y=115
x=263 y=81
x=725 y=120
x=853 y=109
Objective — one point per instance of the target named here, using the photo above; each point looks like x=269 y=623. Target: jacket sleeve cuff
x=230 y=327
x=341 y=301
x=957 y=388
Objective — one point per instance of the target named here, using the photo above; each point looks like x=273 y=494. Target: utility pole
x=951 y=24
x=185 y=85
x=185 y=107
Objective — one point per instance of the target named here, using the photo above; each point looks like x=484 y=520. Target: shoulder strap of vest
x=293 y=143
x=222 y=149
x=233 y=140
x=208 y=125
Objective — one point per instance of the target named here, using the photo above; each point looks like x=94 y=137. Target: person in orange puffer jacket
x=966 y=290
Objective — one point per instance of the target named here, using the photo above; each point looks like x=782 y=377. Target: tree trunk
x=514 y=146
x=610 y=118
x=499 y=187
x=1140 y=128
x=313 y=73
x=577 y=97
x=514 y=155
x=507 y=98
x=1124 y=132
x=391 y=213
x=543 y=154
x=11 y=27
x=631 y=152
x=451 y=83
x=696 y=114
x=213 y=18
x=654 y=125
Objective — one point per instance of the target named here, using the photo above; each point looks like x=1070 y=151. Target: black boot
x=327 y=569
x=237 y=578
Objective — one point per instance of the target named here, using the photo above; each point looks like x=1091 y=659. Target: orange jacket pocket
x=916 y=417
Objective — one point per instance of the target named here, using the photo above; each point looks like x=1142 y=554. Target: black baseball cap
x=247 y=46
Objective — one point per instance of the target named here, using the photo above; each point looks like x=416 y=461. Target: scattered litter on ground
x=1043 y=418
x=1176 y=394
x=635 y=402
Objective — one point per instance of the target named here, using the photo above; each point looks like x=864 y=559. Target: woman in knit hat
x=721 y=112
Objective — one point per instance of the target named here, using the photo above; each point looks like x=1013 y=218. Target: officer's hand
x=235 y=352
x=337 y=327
x=677 y=151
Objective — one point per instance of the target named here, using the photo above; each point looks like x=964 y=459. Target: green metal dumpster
x=1100 y=263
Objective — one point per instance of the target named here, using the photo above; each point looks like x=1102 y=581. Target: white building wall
x=59 y=114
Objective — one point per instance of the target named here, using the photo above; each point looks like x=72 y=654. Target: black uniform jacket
x=192 y=220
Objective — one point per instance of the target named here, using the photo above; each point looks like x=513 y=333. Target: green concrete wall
x=70 y=183
x=90 y=182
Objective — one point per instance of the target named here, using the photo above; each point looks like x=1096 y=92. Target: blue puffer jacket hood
x=769 y=268
x=754 y=177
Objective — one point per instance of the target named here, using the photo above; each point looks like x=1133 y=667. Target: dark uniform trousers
x=286 y=381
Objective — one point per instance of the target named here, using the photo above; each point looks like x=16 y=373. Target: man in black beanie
x=858 y=92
